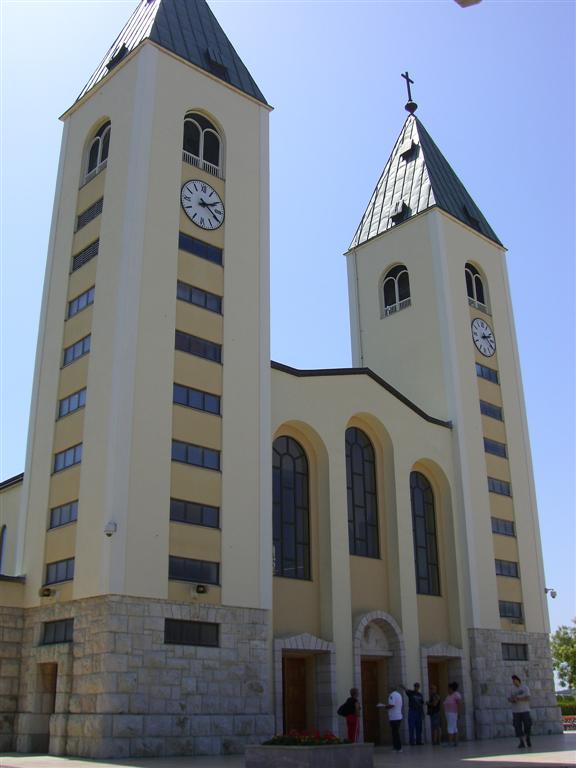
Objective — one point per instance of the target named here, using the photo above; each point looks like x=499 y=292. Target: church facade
x=207 y=548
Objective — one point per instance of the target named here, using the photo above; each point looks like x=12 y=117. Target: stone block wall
x=491 y=682
x=11 y=627
x=122 y=692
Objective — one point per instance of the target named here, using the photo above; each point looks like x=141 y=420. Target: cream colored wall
x=403 y=347
x=9 y=513
x=322 y=407
x=126 y=474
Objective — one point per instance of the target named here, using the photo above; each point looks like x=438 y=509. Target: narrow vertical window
x=202 y=145
x=291 y=525
x=362 y=500
x=475 y=287
x=424 y=532
x=98 y=151
x=396 y=290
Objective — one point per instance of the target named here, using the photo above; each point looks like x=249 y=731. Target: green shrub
x=567 y=708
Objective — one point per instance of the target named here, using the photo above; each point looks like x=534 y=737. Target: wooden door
x=45 y=705
x=370 y=699
x=294 y=693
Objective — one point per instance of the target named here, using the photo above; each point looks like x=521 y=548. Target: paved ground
x=557 y=751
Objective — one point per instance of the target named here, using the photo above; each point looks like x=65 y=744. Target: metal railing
x=95 y=171
x=191 y=159
x=478 y=305
x=397 y=307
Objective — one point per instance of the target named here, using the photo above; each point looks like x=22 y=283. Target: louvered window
x=85 y=255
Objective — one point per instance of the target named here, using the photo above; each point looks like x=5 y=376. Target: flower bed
x=309 y=749
x=569 y=722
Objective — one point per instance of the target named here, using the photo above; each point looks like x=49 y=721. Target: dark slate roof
x=189 y=29
x=417 y=177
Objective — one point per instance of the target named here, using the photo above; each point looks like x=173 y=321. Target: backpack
x=348 y=708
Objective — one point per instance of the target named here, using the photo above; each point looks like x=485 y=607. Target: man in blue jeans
x=415 y=714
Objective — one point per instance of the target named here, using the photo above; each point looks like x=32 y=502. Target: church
x=207 y=547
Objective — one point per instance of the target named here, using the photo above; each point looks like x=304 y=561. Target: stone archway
x=323 y=655
x=378 y=639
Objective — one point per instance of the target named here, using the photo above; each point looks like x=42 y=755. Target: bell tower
x=145 y=506
x=431 y=314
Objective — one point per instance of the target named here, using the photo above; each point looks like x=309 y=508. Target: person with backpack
x=351 y=711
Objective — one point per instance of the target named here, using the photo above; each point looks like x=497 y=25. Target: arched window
x=396 y=290
x=3 y=534
x=424 y=532
x=98 y=152
x=202 y=146
x=475 y=287
x=291 y=525
x=362 y=500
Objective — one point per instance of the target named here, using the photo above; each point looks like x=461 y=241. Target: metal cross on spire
x=411 y=106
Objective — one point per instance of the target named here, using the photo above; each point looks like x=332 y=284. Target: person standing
x=452 y=704
x=415 y=714
x=521 y=717
x=394 y=708
x=351 y=711
x=433 y=705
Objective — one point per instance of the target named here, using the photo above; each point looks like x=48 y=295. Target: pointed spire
x=187 y=28
x=417 y=177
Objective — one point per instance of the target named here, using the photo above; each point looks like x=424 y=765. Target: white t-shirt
x=395 y=700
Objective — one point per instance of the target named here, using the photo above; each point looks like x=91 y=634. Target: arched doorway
x=379 y=665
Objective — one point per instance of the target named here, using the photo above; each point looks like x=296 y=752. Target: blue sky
x=495 y=88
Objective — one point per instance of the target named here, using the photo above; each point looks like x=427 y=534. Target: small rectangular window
x=196 y=398
x=507 y=568
x=199 y=297
x=510 y=610
x=196 y=455
x=483 y=372
x=179 y=632
x=64 y=514
x=85 y=255
x=491 y=410
x=514 y=652
x=199 y=248
x=81 y=302
x=194 y=345
x=501 y=487
x=72 y=403
x=503 y=527
x=68 y=458
x=90 y=213
x=495 y=448
x=60 y=631
x=74 y=351
x=62 y=570
x=193 y=513
x=186 y=569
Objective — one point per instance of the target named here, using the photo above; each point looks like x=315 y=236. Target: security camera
x=110 y=528
x=553 y=593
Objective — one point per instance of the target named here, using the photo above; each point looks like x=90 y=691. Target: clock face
x=202 y=204
x=483 y=337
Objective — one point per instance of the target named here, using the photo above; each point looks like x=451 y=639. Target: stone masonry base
x=491 y=682
x=119 y=691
